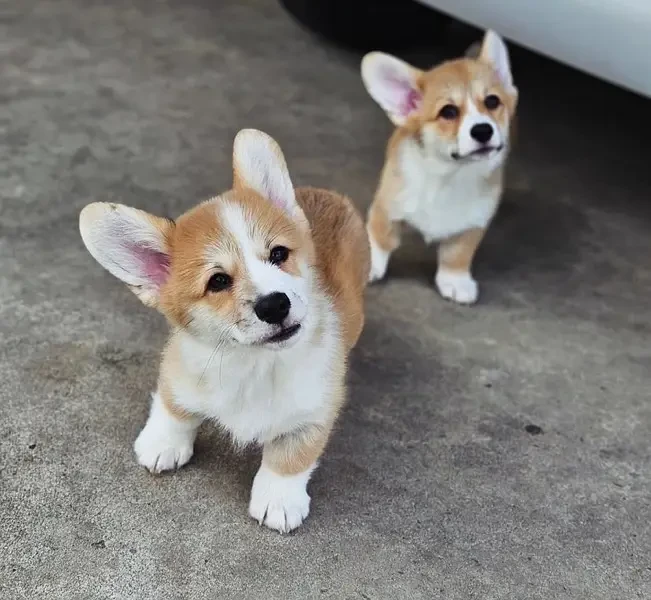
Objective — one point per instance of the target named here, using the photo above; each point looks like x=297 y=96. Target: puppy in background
x=443 y=173
x=263 y=288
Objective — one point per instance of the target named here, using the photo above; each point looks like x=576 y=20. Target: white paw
x=160 y=450
x=460 y=287
x=379 y=261
x=280 y=502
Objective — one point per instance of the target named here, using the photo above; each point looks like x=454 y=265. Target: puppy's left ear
x=495 y=53
x=259 y=164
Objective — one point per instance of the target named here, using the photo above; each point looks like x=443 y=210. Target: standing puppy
x=263 y=287
x=444 y=163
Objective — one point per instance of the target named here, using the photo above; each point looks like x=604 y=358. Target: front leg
x=383 y=230
x=279 y=497
x=384 y=238
x=453 y=278
x=167 y=440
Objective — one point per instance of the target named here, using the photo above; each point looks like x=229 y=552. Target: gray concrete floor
x=432 y=486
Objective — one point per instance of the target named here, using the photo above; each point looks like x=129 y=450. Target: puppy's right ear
x=131 y=244
x=393 y=84
x=259 y=164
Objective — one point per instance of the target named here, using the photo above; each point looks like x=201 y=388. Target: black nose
x=482 y=132
x=273 y=308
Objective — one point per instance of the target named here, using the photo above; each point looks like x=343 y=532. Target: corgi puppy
x=443 y=173
x=263 y=287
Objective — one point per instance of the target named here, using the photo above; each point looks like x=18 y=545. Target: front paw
x=280 y=502
x=160 y=450
x=456 y=286
x=379 y=262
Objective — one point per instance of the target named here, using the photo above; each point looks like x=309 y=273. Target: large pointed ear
x=495 y=53
x=259 y=164
x=393 y=84
x=130 y=244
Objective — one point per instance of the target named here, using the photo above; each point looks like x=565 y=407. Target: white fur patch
x=459 y=287
x=441 y=199
x=278 y=501
x=265 y=277
x=379 y=260
x=258 y=394
x=165 y=443
x=465 y=142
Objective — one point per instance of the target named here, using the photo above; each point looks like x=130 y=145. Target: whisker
x=220 y=343
x=212 y=355
x=183 y=327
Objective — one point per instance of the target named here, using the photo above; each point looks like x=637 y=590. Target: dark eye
x=219 y=282
x=449 y=112
x=278 y=255
x=491 y=102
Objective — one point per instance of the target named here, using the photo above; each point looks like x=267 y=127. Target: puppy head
x=233 y=270
x=460 y=110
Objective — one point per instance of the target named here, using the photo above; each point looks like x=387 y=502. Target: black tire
x=365 y=25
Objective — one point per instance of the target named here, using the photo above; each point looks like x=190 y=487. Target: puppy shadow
x=230 y=467
x=530 y=234
x=389 y=401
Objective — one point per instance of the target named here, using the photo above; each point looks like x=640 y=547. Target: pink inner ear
x=412 y=102
x=404 y=98
x=154 y=265
x=272 y=196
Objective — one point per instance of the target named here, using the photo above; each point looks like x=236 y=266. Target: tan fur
x=457 y=253
x=342 y=254
x=167 y=396
x=294 y=453
x=384 y=230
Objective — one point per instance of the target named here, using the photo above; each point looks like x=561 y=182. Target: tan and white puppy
x=263 y=287
x=443 y=173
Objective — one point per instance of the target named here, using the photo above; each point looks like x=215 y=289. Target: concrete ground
x=439 y=482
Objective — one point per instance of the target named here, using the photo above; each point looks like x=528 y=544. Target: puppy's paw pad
x=160 y=453
x=280 y=503
x=458 y=287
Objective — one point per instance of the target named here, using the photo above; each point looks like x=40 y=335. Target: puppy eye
x=449 y=112
x=219 y=282
x=278 y=255
x=491 y=102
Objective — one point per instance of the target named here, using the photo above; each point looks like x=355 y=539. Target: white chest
x=265 y=394
x=440 y=202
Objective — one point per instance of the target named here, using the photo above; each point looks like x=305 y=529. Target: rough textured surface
x=436 y=484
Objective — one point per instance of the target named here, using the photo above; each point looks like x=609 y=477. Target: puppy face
x=459 y=111
x=233 y=270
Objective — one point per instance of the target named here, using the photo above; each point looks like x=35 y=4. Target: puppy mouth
x=479 y=153
x=283 y=335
